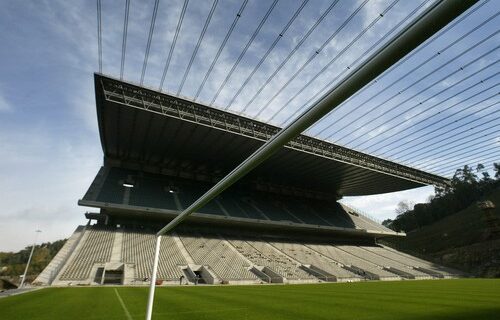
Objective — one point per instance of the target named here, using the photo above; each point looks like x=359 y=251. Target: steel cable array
x=99 y=35
x=174 y=41
x=485 y=158
x=264 y=57
x=200 y=39
x=313 y=56
x=221 y=47
x=290 y=55
x=124 y=41
x=455 y=153
x=244 y=51
x=429 y=125
x=397 y=116
x=401 y=138
x=399 y=92
x=426 y=44
x=409 y=119
x=329 y=83
x=150 y=37
x=453 y=129
x=450 y=145
x=404 y=157
x=413 y=144
x=486 y=151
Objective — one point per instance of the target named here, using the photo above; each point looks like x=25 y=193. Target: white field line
x=129 y=317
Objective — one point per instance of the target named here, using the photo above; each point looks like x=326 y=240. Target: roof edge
x=135 y=96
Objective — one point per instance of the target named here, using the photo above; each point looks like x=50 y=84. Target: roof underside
x=144 y=129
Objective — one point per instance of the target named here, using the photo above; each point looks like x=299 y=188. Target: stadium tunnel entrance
x=199 y=274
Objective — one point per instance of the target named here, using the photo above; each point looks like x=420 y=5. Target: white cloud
x=383 y=206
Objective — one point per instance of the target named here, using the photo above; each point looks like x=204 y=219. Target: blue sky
x=50 y=149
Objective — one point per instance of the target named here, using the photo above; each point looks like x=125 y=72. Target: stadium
x=228 y=216
x=161 y=153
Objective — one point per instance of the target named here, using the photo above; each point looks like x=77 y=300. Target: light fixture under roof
x=128 y=185
x=172 y=189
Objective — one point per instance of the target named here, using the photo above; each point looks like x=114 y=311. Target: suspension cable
x=99 y=35
x=436 y=105
x=424 y=111
x=402 y=157
x=250 y=41
x=473 y=121
x=480 y=146
x=413 y=53
x=264 y=57
x=487 y=168
x=429 y=108
x=491 y=156
x=441 y=127
x=401 y=138
x=314 y=55
x=290 y=55
x=453 y=144
x=448 y=124
x=221 y=47
x=351 y=66
x=475 y=151
x=174 y=41
x=197 y=47
x=452 y=172
x=150 y=37
x=431 y=138
x=435 y=70
x=124 y=40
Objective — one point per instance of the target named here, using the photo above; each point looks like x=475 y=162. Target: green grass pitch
x=432 y=299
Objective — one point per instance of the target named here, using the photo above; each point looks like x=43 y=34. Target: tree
x=387 y=223
x=465 y=175
x=404 y=206
x=465 y=188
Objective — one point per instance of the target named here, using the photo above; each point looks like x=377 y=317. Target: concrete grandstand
x=281 y=224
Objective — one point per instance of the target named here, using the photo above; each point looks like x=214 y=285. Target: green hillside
x=12 y=264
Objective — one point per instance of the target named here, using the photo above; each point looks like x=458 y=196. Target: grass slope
x=434 y=299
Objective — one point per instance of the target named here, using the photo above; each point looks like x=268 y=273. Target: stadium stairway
x=182 y=249
x=276 y=266
x=90 y=255
x=315 y=263
x=57 y=263
x=393 y=266
x=430 y=268
x=361 y=267
x=214 y=253
x=116 y=251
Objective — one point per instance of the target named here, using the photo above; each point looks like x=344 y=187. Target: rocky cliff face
x=468 y=240
x=479 y=259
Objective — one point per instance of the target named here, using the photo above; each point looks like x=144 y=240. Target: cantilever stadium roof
x=149 y=130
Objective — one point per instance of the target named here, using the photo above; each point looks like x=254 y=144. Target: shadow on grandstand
x=118 y=188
